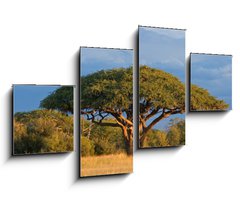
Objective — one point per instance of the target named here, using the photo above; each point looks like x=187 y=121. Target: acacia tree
x=109 y=94
x=61 y=100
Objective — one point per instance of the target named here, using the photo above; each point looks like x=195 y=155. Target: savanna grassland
x=106 y=164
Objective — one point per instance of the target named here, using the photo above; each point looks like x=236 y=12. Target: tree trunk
x=143 y=137
x=129 y=147
x=128 y=138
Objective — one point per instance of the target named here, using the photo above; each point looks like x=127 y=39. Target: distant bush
x=42 y=131
x=176 y=133
x=87 y=147
x=156 y=138
x=174 y=136
x=106 y=139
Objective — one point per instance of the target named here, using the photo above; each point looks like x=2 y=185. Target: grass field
x=107 y=164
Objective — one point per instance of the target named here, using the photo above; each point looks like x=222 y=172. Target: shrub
x=87 y=147
x=176 y=132
x=42 y=131
x=156 y=138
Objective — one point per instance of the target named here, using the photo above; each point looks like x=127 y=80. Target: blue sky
x=96 y=59
x=28 y=97
x=163 y=49
x=214 y=73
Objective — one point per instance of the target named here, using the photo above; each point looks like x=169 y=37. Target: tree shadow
x=135 y=41
x=100 y=179
x=76 y=69
x=160 y=150
x=9 y=126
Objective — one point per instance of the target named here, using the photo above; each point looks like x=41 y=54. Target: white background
x=39 y=42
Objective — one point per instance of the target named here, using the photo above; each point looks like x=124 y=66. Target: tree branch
x=154 y=112
x=164 y=115
x=142 y=122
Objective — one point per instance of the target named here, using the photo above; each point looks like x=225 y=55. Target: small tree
x=176 y=132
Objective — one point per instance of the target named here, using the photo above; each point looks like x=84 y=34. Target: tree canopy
x=159 y=89
x=202 y=100
x=107 y=89
x=109 y=93
x=61 y=100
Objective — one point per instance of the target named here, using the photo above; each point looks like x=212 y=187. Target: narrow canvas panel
x=161 y=87
x=42 y=119
x=211 y=82
x=106 y=109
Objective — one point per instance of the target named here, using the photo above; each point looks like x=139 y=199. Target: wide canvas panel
x=161 y=87
x=106 y=109
x=42 y=119
x=211 y=82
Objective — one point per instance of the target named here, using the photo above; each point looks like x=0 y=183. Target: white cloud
x=171 y=33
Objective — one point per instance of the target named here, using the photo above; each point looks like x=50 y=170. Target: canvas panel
x=211 y=82
x=42 y=119
x=106 y=109
x=161 y=87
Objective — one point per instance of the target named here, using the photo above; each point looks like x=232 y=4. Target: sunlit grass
x=106 y=164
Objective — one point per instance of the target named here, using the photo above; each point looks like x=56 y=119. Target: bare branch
x=154 y=112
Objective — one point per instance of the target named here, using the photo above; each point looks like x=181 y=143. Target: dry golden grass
x=107 y=164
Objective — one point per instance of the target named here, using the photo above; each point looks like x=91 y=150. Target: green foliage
x=42 y=131
x=176 y=132
x=156 y=138
x=61 y=100
x=107 y=89
x=105 y=139
x=174 y=136
x=87 y=147
x=113 y=89
x=110 y=93
x=160 y=88
x=202 y=100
